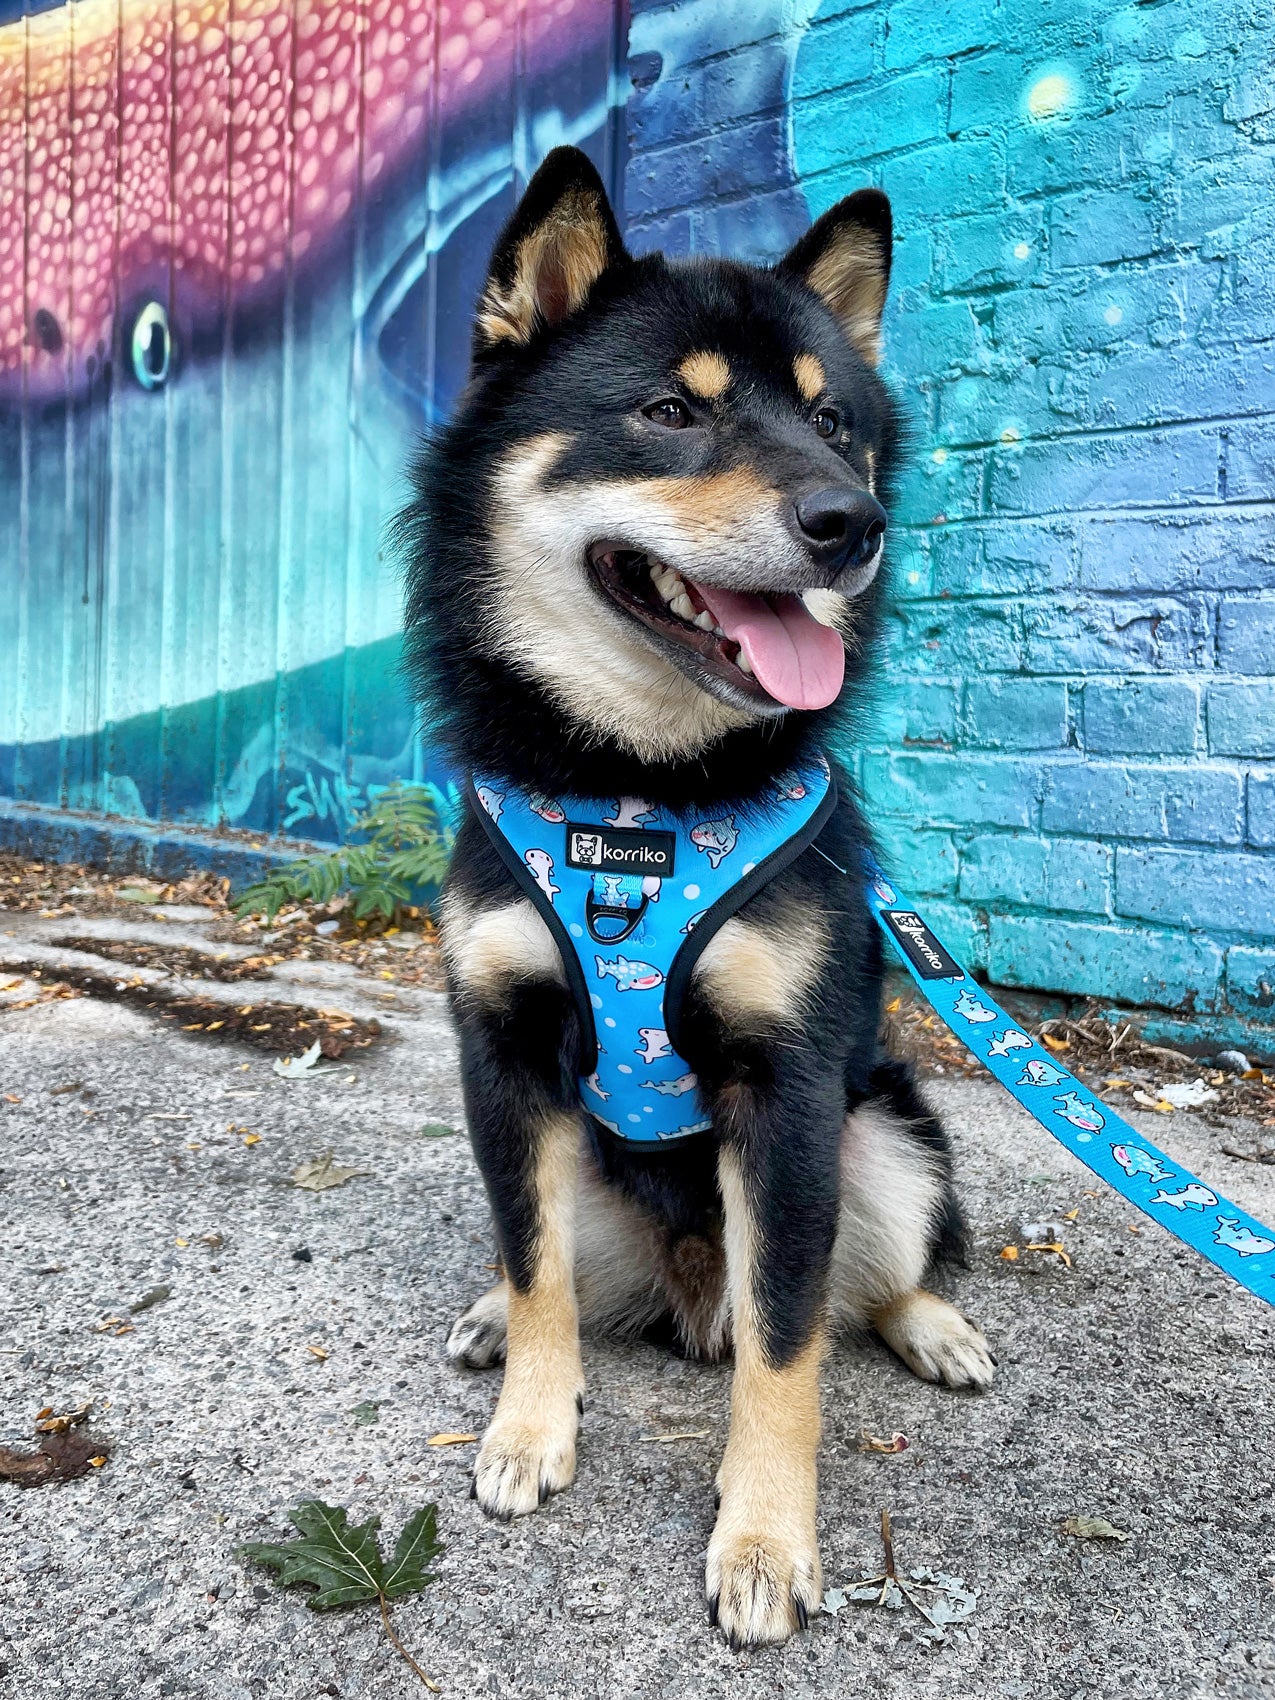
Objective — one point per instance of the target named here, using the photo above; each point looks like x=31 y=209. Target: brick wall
x=1075 y=762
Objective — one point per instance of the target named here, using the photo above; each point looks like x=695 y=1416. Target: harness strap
x=1229 y=1237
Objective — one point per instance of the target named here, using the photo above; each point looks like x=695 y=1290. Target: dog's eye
x=826 y=422
x=670 y=412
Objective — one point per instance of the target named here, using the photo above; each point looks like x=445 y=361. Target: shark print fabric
x=632 y=893
x=1091 y=1130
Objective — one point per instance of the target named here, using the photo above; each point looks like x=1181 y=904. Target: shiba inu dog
x=644 y=563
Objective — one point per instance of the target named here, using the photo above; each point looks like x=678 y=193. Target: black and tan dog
x=650 y=457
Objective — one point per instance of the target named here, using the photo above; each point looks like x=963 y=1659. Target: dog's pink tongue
x=797 y=660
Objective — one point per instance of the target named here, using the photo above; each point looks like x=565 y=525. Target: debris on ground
x=873 y=1443
x=321 y=1174
x=1092 y=1529
x=941 y=1599
x=66 y=1450
x=155 y=1296
x=345 y=1564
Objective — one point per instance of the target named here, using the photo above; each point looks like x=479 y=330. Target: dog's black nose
x=841 y=528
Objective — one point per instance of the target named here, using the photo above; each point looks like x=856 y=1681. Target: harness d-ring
x=631 y=917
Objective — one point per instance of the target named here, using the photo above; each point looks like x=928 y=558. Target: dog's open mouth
x=769 y=647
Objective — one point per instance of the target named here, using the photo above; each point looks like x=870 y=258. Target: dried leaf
x=302 y=1067
x=872 y=1443
x=321 y=1173
x=834 y=1598
x=1092 y=1529
x=1055 y=1044
x=60 y=1458
x=1009 y=1253
x=155 y=1296
x=449 y=1439
x=47 y=1422
x=1054 y=1246
x=368 y=1412
x=320 y=1352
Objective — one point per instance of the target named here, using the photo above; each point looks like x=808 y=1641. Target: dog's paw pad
x=761 y=1588
x=519 y=1466
x=939 y=1344
x=477 y=1338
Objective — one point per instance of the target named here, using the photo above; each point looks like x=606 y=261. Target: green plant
x=408 y=831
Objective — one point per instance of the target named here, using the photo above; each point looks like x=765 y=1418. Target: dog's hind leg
x=897 y=1212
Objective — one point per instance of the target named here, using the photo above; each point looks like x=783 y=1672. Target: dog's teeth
x=718 y=632
x=742 y=662
x=683 y=606
x=704 y=621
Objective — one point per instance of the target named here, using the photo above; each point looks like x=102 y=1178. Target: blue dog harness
x=632 y=893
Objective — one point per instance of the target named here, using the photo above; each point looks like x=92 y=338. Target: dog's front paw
x=478 y=1336
x=521 y=1462
x=762 y=1586
x=936 y=1342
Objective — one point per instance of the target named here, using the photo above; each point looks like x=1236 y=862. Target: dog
x=644 y=562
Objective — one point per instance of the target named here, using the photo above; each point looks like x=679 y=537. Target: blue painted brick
x=1139 y=965
x=1242 y=718
x=1016 y=714
x=987 y=92
x=692 y=171
x=1125 y=635
x=1261 y=808
x=1250 y=979
x=1152 y=467
x=1229 y=892
x=934 y=493
x=926 y=711
x=954 y=177
x=865 y=123
x=923 y=863
x=961 y=929
x=1198 y=804
x=1246 y=635
x=947 y=637
x=954 y=790
x=1048 y=159
x=925 y=338
x=1250 y=458
x=978 y=252
x=1100 y=225
x=1004 y=558
x=1141 y=717
x=1212 y=550
x=839 y=51
x=758 y=227
x=919 y=29
x=668 y=235
x=1068 y=874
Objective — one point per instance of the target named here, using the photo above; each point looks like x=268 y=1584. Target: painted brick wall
x=1075 y=763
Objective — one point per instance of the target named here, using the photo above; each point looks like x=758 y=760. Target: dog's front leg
x=528 y=1149
x=763 y=1572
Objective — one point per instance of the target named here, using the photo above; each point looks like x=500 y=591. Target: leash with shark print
x=1229 y=1237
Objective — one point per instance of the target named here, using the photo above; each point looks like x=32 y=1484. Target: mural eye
x=671 y=413
x=826 y=422
x=152 y=347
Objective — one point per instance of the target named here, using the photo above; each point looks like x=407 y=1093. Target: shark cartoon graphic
x=969 y=1006
x=1079 y=1114
x=651 y=884
x=614 y=1126
x=540 y=864
x=884 y=890
x=655 y=1044
x=790 y=787
x=1010 y=1040
x=1193 y=1197
x=546 y=808
x=1038 y=1073
x=492 y=801
x=1135 y=1161
x=673 y=1088
x=591 y=1081
x=631 y=811
x=628 y=976
x=694 y=921
x=1231 y=1232
x=717 y=838
x=613 y=891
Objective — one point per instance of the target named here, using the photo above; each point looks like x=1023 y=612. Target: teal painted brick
x=1129 y=964
x=1016 y=714
x=1261 y=808
x=1242 y=718
x=840 y=51
x=1162 y=304
x=1048 y=159
x=1141 y=717
x=1064 y=874
x=947 y=637
x=931 y=337
x=1125 y=635
x=1250 y=979
x=920 y=30
x=1198 y=804
x=1230 y=892
x=1213 y=550
x=954 y=790
x=1150 y=468
x=961 y=929
x=867 y=122
x=954 y=177
x=1096 y=227
x=927 y=712
x=923 y=863
x=1246 y=635
x=1001 y=559
x=988 y=92
x=979 y=252
x=933 y=493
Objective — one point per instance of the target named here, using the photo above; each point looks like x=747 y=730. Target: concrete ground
x=1135 y=1386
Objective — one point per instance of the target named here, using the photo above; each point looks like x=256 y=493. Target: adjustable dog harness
x=632 y=893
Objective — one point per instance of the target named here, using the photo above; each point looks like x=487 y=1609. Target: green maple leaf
x=345 y=1563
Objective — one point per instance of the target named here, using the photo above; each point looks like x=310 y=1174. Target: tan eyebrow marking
x=809 y=373
x=706 y=374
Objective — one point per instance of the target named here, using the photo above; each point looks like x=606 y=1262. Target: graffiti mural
x=239 y=245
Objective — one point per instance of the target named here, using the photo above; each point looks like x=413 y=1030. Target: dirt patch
x=283 y=1027
x=179 y=960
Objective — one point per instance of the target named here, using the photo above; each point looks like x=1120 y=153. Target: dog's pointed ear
x=560 y=240
x=845 y=258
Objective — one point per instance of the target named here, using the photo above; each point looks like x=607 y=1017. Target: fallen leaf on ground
x=1055 y=1247
x=1149 y=1103
x=1055 y=1044
x=872 y=1443
x=437 y=1130
x=47 y=1422
x=1189 y=1094
x=346 y=1567
x=1093 y=1529
x=320 y=1352
x=153 y=1296
x=941 y=1599
x=320 y=1173
x=1009 y=1253
x=115 y=1325
x=302 y=1067
x=368 y=1412
x=252 y=1139
x=449 y=1439
x=833 y=1600
x=60 y=1458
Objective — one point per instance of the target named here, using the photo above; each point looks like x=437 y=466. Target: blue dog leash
x=1219 y=1230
